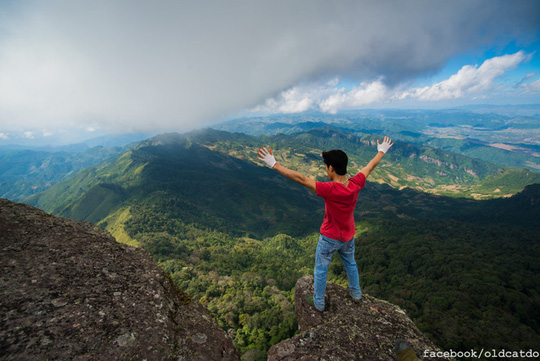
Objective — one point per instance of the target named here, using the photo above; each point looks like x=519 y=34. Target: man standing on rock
x=338 y=228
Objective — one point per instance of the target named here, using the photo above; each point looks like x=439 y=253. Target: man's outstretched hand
x=266 y=156
x=385 y=145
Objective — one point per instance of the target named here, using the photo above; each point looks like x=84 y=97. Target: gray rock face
x=347 y=330
x=69 y=291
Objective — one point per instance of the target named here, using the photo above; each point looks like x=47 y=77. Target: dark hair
x=337 y=159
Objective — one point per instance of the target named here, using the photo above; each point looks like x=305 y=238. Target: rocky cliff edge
x=70 y=292
x=348 y=330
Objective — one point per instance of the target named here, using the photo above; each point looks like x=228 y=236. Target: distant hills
x=419 y=167
x=26 y=172
x=66 y=141
x=509 y=136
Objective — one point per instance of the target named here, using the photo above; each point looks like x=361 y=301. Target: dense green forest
x=465 y=285
x=236 y=236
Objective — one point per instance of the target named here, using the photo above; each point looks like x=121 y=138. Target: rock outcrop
x=70 y=292
x=348 y=330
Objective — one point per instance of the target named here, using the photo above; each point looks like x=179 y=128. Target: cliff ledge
x=346 y=330
x=71 y=292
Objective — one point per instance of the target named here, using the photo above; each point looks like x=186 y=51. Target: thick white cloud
x=298 y=98
x=293 y=100
x=364 y=94
x=175 y=64
x=470 y=80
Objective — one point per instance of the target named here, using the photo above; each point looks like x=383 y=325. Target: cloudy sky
x=120 y=65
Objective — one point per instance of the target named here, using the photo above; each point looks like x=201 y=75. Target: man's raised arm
x=382 y=148
x=267 y=157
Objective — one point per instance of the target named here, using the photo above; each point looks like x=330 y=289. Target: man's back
x=340 y=201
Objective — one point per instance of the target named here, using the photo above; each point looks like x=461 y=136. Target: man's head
x=337 y=159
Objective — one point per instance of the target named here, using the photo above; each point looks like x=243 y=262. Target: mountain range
x=30 y=169
x=505 y=137
x=509 y=136
x=216 y=174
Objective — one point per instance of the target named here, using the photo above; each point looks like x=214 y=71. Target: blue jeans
x=323 y=256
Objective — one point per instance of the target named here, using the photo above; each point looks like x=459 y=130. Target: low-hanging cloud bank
x=143 y=65
x=470 y=81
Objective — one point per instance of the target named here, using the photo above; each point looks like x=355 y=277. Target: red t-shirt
x=339 y=203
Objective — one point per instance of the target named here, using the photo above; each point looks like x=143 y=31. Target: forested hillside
x=422 y=168
x=237 y=236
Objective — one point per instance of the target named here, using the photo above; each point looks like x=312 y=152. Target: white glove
x=267 y=157
x=385 y=145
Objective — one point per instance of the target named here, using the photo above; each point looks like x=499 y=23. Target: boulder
x=348 y=330
x=69 y=291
